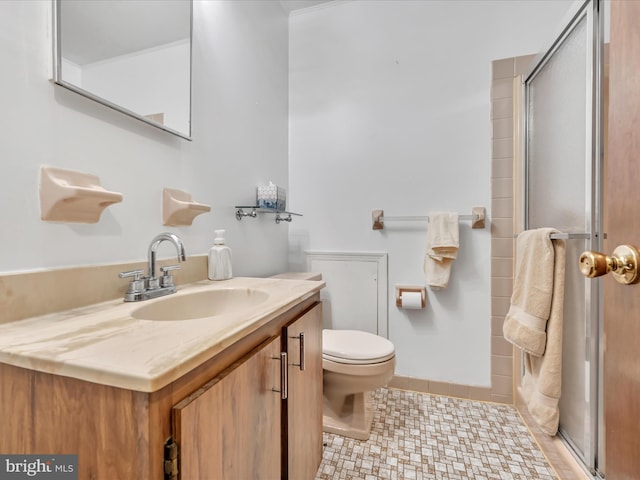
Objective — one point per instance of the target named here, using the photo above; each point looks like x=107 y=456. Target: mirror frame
x=57 y=76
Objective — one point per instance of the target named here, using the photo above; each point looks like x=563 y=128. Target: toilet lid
x=353 y=346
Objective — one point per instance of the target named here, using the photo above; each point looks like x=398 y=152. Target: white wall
x=390 y=108
x=240 y=110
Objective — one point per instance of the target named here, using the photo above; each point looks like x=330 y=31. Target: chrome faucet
x=163 y=237
x=150 y=286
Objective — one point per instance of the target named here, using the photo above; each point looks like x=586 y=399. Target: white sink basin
x=192 y=306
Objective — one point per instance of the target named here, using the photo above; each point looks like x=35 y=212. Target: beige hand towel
x=526 y=321
x=442 y=248
x=543 y=375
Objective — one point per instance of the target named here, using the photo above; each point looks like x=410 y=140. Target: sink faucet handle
x=169 y=268
x=167 y=279
x=137 y=284
x=136 y=274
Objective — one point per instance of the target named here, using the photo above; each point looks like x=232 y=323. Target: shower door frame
x=592 y=455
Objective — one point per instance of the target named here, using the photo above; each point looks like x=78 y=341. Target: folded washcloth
x=526 y=321
x=442 y=248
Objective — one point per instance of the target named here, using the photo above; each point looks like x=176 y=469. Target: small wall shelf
x=281 y=216
x=178 y=207
x=71 y=196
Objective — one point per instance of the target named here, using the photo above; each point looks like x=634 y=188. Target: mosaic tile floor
x=420 y=436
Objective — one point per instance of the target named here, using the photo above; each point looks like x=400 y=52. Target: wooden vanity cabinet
x=252 y=420
x=230 y=422
x=230 y=428
x=302 y=411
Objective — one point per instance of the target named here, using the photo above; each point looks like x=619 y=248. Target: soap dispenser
x=219 y=258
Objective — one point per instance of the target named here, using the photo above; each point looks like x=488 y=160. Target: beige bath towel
x=526 y=322
x=543 y=374
x=442 y=248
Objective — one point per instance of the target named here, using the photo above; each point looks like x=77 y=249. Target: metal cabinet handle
x=284 y=376
x=302 y=351
x=623 y=264
x=302 y=355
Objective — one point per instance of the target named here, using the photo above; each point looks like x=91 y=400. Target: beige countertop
x=105 y=344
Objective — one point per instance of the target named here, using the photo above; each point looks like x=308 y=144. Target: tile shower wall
x=502 y=208
x=507 y=215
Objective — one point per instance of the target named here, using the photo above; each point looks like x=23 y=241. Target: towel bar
x=570 y=236
x=565 y=236
x=477 y=217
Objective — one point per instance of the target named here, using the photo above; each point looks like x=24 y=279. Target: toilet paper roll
x=411 y=300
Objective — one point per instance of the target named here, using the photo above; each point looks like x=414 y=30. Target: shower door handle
x=623 y=263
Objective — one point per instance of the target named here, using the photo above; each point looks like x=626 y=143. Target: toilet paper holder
x=400 y=289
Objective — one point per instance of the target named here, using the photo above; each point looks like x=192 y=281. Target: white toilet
x=354 y=364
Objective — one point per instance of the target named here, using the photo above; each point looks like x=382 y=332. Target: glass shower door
x=562 y=178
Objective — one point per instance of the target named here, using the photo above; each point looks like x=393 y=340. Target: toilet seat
x=355 y=347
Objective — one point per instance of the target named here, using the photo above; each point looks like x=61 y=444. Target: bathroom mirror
x=131 y=55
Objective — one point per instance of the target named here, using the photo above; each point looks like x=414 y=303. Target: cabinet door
x=230 y=428
x=304 y=403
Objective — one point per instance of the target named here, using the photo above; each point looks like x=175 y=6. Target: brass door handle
x=623 y=263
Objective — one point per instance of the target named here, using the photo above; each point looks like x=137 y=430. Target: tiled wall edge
x=503 y=72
